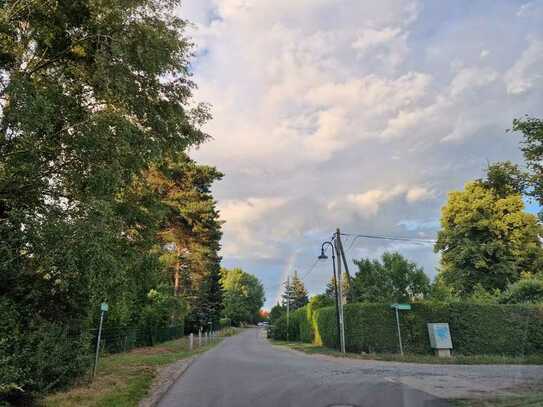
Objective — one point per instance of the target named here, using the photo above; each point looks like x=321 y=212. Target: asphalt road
x=246 y=370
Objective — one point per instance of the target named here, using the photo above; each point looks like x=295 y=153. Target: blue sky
x=355 y=114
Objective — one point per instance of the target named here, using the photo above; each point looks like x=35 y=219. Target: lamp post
x=339 y=325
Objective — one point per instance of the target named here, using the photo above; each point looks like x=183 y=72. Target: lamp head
x=323 y=256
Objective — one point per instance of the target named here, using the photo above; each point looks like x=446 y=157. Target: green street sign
x=104 y=307
x=405 y=307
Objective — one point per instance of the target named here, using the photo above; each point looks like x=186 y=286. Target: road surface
x=246 y=370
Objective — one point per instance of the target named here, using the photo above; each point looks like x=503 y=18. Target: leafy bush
x=37 y=358
x=161 y=311
x=225 y=322
x=525 y=291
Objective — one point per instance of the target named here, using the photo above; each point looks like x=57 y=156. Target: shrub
x=225 y=322
x=39 y=357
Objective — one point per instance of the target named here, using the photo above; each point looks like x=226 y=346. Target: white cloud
x=468 y=79
x=526 y=73
x=356 y=114
x=240 y=217
x=370 y=202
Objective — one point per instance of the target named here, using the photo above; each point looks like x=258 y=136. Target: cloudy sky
x=355 y=114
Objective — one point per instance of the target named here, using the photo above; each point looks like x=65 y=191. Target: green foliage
x=320 y=301
x=243 y=296
x=225 y=323
x=47 y=356
x=482 y=296
x=277 y=312
x=504 y=179
x=163 y=309
x=190 y=225
x=531 y=129
x=394 y=279
x=476 y=329
x=94 y=121
x=486 y=239
x=295 y=293
x=525 y=291
x=298 y=326
x=441 y=292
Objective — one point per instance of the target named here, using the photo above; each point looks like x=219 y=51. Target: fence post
x=191 y=339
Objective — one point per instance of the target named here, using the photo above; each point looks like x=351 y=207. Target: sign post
x=103 y=309
x=440 y=338
x=397 y=307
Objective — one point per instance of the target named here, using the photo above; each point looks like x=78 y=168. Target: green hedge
x=298 y=323
x=475 y=328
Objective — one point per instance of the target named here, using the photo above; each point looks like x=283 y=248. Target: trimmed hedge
x=475 y=328
x=298 y=323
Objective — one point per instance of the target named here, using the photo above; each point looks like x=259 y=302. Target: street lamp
x=323 y=256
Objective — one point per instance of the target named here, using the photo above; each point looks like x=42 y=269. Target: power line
x=421 y=242
x=310 y=269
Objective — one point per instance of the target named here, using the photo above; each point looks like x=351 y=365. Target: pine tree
x=295 y=293
x=331 y=287
x=190 y=224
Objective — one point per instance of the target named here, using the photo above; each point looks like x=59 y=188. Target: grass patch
x=524 y=400
x=124 y=379
x=411 y=358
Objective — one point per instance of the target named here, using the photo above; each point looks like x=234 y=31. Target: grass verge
x=124 y=379
x=411 y=358
x=521 y=400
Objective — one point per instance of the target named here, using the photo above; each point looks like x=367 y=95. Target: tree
x=486 y=239
x=330 y=291
x=440 y=291
x=531 y=129
x=190 y=225
x=243 y=296
x=504 y=179
x=88 y=103
x=393 y=279
x=93 y=96
x=295 y=293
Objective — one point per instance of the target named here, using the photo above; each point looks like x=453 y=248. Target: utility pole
x=288 y=304
x=336 y=292
x=340 y=246
x=340 y=292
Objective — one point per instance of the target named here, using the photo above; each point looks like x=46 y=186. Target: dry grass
x=123 y=379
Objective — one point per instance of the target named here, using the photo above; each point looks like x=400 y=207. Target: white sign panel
x=440 y=336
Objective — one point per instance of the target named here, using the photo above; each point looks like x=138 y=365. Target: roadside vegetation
x=99 y=200
x=415 y=358
x=124 y=379
x=529 y=398
x=489 y=285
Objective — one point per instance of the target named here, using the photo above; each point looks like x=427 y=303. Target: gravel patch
x=165 y=378
x=444 y=381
